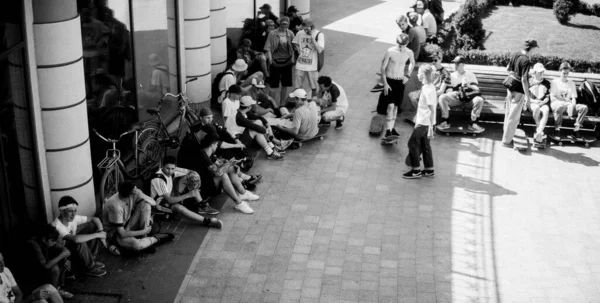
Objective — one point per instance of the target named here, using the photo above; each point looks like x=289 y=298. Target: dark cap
x=530 y=43
x=458 y=60
x=265 y=6
x=292 y=9
x=246 y=42
x=235 y=89
x=205 y=111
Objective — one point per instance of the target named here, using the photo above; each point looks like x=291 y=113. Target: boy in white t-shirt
x=231 y=103
x=334 y=101
x=563 y=95
x=83 y=236
x=418 y=143
x=11 y=293
x=309 y=43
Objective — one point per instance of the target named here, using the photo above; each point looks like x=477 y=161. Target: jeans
x=450 y=99
x=418 y=144
x=512 y=116
x=84 y=254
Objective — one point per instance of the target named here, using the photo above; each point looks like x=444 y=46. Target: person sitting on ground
x=218 y=174
x=83 y=236
x=304 y=123
x=334 y=101
x=265 y=105
x=161 y=188
x=295 y=19
x=441 y=80
x=564 y=95
x=257 y=130
x=394 y=79
x=539 y=104
x=129 y=224
x=429 y=21
x=10 y=292
x=414 y=41
x=51 y=259
x=235 y=75
x=231 y=103
x=257 y=61
x=461 y=79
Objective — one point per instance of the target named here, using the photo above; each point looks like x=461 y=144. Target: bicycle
x=113 y=168
x=156 y=128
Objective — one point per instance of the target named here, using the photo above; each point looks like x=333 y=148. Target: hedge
x=462 y=34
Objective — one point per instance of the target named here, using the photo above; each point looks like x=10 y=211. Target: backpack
x=215 y=91
x=321 y=56
x=148 y=184
x=588 y=94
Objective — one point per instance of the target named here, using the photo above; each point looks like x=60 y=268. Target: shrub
x=596 y=9
x=563 y=9
x=430 y=49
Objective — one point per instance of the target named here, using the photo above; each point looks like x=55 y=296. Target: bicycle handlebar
x=179 y=96
x=108 y=140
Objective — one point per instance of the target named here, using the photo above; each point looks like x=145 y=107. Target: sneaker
x=99 y=265
x=249 y=196
x=413 y=174
x=285 y=144
x=444 y=125
x=395 y=133
x=339 y=124
x=388 y=133
x=254 y=179
x=206 y=210
x=577 y=135
x=279 y=150
x=324 y=123
x=244 y=207
x=476 y=128
x=428 y=173
x=215 y=223
x=164 y=238
x=248 y=186
x=275 y=156
x=377 y=88
x=96 y=272
x=64 y=294
x=114 y=250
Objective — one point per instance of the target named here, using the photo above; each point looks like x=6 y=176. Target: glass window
x=155 y=53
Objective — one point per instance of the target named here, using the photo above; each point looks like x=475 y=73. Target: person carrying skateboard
x=334 y=101
x=418 y=143
x=459 y=80
x=393 y=78
x=563 y=95
x=517 y=84
x=539 y=104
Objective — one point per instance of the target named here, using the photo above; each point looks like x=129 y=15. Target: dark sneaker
x=377 y=88
x=275 y=156
x=164 y=238
x=96 y=272
x=248 y=186
x=339 y=124
x=428 y=173
x=388 y=133
x=413 y=174
x=577 y=135
x=254 y=179
x=215 y=223
x=206 y=210
x=395 y=133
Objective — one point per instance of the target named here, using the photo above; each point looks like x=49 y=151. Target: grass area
x=507 y=27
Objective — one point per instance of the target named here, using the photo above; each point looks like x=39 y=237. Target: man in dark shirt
x=519 y=94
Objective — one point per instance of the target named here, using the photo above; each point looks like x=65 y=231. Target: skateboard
x=409 y=117
x=320 y=135
x=376 y=125
x=520 y=141
x=389 y=140
x=459 y=129
x=586 y=140
x=540 y=145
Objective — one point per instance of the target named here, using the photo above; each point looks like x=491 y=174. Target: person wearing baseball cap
x=265 y=14
x=394 y=79
x=295 y=19
x=304 y=122
x=265 y=104
x=518 y=94
x=563 y=94
x=539 y=89
x=460 y=80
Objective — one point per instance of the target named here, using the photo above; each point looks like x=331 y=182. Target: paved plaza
x=337 y=223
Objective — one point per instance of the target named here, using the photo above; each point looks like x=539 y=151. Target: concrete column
x=59 y=60
x=197 y=50
x=172 y=44
x=303 y=7
x=218 y=36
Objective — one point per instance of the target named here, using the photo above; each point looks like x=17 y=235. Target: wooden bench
x=490 y=83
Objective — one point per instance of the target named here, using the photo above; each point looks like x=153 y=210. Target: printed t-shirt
x=308 y=54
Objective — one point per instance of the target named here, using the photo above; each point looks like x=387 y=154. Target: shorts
x=397 y=92
x=245 y=138
x=313 y=76
x=281 y=74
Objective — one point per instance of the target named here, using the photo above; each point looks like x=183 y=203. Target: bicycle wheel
x=151 y=130
x=149 y=159
x=110 y=182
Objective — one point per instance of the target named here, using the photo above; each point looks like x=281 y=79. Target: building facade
x=69 y=67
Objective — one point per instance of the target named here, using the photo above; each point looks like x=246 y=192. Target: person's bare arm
x=411 y=66
x=123 y=233
x=144 y=197
x=384 y=63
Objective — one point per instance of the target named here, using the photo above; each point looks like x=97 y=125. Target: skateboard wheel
x=587 y=145
x=474 y=135
x=559 y=143
x=299 y=144
x=447 y=134
x=321 y=138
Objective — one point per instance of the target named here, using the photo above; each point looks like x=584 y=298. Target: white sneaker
x=443 y=125
x=249 y=196
x=244 y=207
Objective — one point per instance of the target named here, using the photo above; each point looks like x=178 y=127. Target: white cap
x=257 y=83
x=246 y=101
x=299 y=93
x=539 y=67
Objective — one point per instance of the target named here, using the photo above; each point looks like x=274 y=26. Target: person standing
x=517 y=84
x=563 y=95
x=414 y=41
x=429 y=22
x=309 y=42
x=295 y=19
x=281 y=59
x=393 y=78
x=418 y=143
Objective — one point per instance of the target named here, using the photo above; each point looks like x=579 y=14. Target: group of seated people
x=557 y=97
